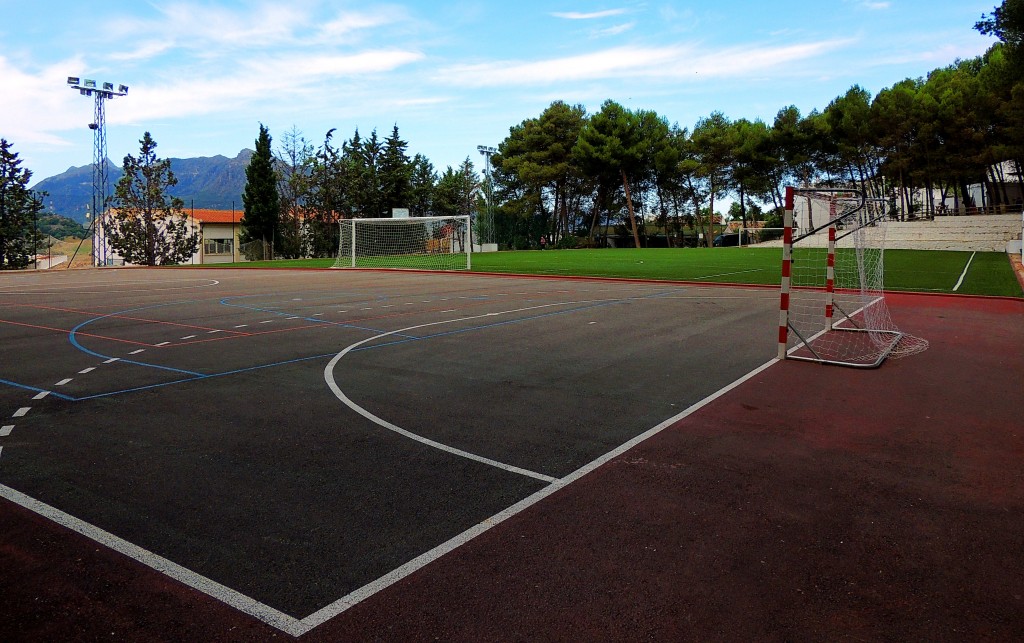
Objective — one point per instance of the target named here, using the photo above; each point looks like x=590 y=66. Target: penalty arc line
x=333 y=385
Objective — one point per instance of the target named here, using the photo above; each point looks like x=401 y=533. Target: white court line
x=267 y=321
x=241 y=325
x=214 y=331
x=5 y=430
x=63 y=381
x=960 y=281
x=87 y=370
x=22 y=412
x=342 y=604
x=163 y=343
x=239 y=601
x=136 y=352
x=112 y=360
x=189 y=337
x=298 y=627
x=40 y=395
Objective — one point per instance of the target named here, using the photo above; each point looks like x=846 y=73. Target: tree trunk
x=629 y=206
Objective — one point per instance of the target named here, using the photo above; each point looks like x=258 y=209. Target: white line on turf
x=963 y=275
x=63 y=381
x=112 y=360
x=22 y=412
x=40 y=395
x=87 y=370
x=137 y=351
x=5 y=430
x=163 y=343
x=189 y=337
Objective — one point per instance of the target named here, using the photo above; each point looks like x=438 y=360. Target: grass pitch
x=989 y=273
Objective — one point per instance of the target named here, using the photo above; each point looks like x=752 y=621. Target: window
x=217 y=246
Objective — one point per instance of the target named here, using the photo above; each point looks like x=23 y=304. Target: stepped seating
x=980 y=233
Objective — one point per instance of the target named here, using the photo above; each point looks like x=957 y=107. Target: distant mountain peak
x=214 y=182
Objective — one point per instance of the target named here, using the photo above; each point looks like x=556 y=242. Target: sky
x=452 y=75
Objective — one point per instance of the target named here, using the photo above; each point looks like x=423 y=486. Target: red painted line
x=68 y=332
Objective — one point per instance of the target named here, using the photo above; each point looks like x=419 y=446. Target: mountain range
x=214 y=182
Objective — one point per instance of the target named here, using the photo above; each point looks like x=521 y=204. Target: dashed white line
x=388 y=306
x=6 y=430
x=63 y=381
x=241 y=325
x=87 y=370
x=290 y=318
x=22 y=412
x=189 y=337
x=136 y=352
x=163 y=343
x=214 y=331
x=267 y=321
x=112 y=360
x=366 y=309
x=40 y=395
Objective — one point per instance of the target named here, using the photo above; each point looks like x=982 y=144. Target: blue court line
x=38 y=390
x=405 y=339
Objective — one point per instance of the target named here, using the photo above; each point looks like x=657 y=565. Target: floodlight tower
x=98 y=125
x=487 y=153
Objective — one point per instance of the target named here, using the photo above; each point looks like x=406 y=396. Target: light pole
x=487 y=152
x=102 y=92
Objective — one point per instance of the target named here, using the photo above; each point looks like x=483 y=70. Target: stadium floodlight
x=88 y=87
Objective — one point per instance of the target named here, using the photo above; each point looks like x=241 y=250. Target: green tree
x=423 y=180
x=612 y=143
x=149 y=227
x=396 y=172
x=294 y=161
x=262 y=203
x=19 y=207
x=713 y=140
x=1007 y=24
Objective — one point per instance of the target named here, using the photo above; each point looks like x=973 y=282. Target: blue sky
x=451 y=75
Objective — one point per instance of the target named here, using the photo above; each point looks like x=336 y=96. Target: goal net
x=422 y=243
x=833 y=308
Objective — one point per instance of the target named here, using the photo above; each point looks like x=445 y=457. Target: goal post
x=417 y=243
x=833 y=308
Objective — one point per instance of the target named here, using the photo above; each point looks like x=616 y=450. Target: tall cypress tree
x=262 y=203
x=18 y=208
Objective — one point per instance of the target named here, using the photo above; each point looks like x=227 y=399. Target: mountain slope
x=206 y=182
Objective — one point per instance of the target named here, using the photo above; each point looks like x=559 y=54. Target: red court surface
x=809 y=502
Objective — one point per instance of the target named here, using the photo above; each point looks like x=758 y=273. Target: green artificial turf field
x=989 y=273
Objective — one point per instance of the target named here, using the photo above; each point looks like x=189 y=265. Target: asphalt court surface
x=189 y=412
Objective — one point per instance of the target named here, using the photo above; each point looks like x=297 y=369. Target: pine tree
x=261 y=200
x=149 y=227
x=395 y=174
x=18 y=208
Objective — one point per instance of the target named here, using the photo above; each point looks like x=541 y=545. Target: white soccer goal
x=421 y=243
x=833 y=308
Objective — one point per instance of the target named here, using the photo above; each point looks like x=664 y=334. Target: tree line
x=575 y=177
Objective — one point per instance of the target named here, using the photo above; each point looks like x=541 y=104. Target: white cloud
x=616 y=30
x=668 y=63
x=575 y=15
